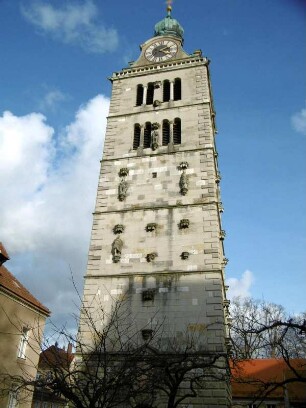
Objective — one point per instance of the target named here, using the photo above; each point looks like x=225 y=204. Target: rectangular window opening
x=23 y=342
x=12 y=403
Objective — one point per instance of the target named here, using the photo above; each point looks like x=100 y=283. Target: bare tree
x=102 y=373
x=264 y=330
x=178 y=370
x=178 y=376
x=118 y=366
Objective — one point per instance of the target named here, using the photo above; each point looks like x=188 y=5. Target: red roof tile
x=248 y=376
x=12 y=285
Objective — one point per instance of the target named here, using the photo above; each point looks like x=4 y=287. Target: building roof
x=250 y=377
x=11 y=285
x=55 y=356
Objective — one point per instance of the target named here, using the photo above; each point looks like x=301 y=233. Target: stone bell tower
x=157 y=239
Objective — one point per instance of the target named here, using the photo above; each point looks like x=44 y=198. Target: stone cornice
x=154 y=208
x=134 y=156
x=171 y=65
x=155 y=273
x=149 y=108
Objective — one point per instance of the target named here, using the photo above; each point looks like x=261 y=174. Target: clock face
x=161 y=51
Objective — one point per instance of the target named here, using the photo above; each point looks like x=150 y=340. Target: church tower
x=157 y=239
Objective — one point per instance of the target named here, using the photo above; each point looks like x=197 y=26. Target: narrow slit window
x=166 y=91
x=139 y=95
x=166 y=132
x=136 y=140
x=147 y=135
x=177 y=89
x=150 y=93
x=177 y=138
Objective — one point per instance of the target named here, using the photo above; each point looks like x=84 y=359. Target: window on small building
x=177 y=89
x=147 y=135
x=23 y=343
x=177 y=131
x=166 y=91
x=166 y=132
x=150 y=93
x=139 y=95
x=136 y=140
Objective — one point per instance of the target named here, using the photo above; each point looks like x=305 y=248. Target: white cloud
x=48 y=187
x=52 y=99
x=72 y=24
x=26 y=151
x=299 y=121
x=240 y=287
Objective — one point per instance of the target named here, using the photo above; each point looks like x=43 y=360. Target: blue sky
x=55 y=60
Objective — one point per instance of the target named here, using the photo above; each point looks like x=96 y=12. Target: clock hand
x=165 y=50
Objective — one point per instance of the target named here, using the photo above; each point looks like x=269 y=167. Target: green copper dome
x=169 y=26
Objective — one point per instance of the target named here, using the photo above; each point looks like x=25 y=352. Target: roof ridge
x=9 y=282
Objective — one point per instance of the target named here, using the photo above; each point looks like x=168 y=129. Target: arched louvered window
x=177 y=89
x=166 y=132
x=166 y=91
x=139 y=95
x=147 y=135
x=177 y=131
x=150 y=93
x=136 y=140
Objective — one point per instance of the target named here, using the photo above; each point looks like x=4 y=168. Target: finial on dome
x=169 y=7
